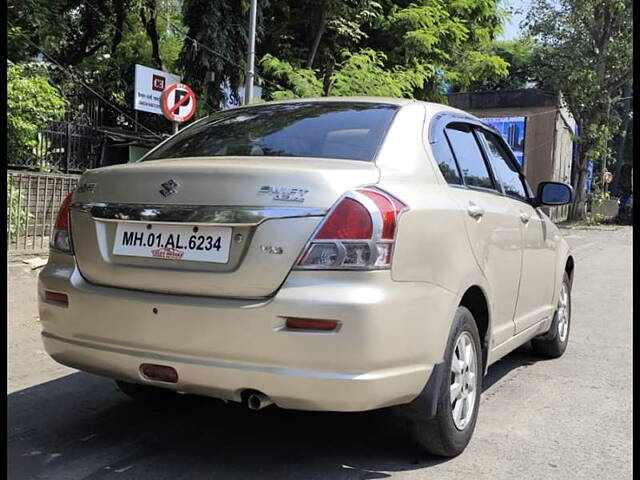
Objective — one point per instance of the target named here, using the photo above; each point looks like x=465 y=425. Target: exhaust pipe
x=257 y=401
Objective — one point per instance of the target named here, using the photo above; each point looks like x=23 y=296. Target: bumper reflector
x=159 y=372
x=56 y=297
x=309 y=324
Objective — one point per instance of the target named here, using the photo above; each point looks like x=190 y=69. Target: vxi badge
x=288 y=194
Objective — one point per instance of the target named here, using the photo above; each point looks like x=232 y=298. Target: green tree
x=116 y=35
x=584 y=49
x=360 y=73
x=32 y=102
x=428 y=44
x=451 y=38
x=519 y=55
x=219 y=31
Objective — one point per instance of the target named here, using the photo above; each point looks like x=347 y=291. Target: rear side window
x=469 y=156
x=342 y=130
x=444 y=156
x=503 y=168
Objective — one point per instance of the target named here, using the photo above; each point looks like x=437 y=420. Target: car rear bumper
x=391 y=335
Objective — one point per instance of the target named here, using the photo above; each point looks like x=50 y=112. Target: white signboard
x=150 y=83
x=230 y=102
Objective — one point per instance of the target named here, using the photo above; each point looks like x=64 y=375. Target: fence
x=33 y=200
x=66 y=147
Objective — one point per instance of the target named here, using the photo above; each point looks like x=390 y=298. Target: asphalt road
x=569 y=418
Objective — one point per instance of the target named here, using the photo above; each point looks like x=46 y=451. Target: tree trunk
x=576 y=209
x=326 y=81
x=322 y=23
x=120 y=11
x=151 y=6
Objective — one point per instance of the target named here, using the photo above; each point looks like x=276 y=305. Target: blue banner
x=513 y=131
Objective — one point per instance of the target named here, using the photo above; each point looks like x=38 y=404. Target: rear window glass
x=344 y=130
x=469 y=157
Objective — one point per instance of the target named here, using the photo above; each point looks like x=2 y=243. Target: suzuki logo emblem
x=169 y=187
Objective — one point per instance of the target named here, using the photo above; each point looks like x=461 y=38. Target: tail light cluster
x=357 y=234
x=61 y=235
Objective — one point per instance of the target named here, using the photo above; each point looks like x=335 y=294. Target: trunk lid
x=264 y=210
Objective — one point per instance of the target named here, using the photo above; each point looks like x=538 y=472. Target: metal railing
x=65 y=147
x=33 y=200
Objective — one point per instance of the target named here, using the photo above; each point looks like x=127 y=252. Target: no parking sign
x=178 y=102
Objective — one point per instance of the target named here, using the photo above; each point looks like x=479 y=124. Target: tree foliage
x=360 y=73
x=451 y=36
x=289 y=82
x=395 y=47
x=584 y=49
x=364 y=73
x=519 y=55
x=216 y=48
x=419 y=48
x=32 y=102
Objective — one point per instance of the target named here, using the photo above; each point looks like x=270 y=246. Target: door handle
x=524 y=217
x=474 y=210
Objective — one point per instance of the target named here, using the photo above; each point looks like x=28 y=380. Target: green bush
x=17 y=213
x=32 y=102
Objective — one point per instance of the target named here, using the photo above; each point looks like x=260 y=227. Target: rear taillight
x=61 y=235
x=357 y=234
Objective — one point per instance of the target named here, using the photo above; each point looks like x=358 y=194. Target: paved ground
x=562 y=419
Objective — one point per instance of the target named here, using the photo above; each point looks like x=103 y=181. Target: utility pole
x=251 y=53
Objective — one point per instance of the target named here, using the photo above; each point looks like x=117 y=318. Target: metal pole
x=67 y=156
x=251 y=53
x=604 y=157
x=175 y=128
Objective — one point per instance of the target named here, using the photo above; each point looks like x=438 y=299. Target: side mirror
x=554 y=194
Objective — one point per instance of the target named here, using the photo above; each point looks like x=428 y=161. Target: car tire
x=554 y=343
x=145 y=393
x=441 y=434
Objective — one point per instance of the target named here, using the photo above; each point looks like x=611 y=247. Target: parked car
x=341 y=254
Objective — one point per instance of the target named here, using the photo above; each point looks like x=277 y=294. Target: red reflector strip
x=56 y=297
x=159 y=372
x=307 y=324
x=62 y=220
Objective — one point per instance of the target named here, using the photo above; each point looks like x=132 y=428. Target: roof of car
x=381 y=100
x=387 y=100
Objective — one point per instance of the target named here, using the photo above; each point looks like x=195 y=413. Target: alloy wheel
x=462 y=390
x=563 y=313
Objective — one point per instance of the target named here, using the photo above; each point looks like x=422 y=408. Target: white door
x=493 y=227
x=535 y=291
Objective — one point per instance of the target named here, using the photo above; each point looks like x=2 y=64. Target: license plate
x=173 y=242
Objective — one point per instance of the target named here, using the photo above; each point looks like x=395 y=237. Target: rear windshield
x=343 y=130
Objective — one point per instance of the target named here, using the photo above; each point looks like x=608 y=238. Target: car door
x=535 y=291
x=492 y=227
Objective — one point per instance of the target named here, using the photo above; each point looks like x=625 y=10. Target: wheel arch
x=475 y=299
x=568 y=268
